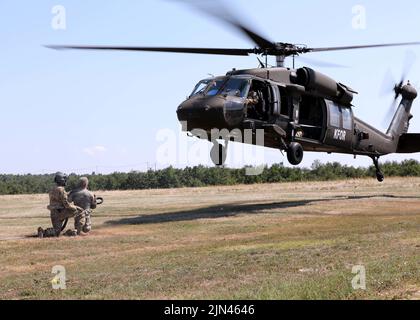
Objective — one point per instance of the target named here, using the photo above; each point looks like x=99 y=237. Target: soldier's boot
x=47 y=233
x=87 y=228
x=71 y=233
x=78 y=228
x=40 y=233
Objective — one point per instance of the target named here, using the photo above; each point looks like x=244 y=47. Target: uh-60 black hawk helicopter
x=298 y=109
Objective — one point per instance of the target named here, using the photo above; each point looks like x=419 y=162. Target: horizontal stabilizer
x=409 y=143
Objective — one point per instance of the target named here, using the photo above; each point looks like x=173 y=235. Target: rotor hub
x=409 y=92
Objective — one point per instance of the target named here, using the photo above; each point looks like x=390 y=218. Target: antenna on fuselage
x=261 y=63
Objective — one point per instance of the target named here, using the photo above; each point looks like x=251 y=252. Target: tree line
x=202 y=176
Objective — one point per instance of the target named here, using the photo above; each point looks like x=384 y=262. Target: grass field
x=280 y=241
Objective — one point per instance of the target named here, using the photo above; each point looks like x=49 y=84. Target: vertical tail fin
x=401 y=121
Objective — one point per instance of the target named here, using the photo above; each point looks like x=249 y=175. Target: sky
x=90 y=111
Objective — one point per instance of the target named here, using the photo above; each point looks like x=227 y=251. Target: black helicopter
x=297 y=109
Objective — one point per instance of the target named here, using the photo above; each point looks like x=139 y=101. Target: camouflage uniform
x=251 y=103
x=252 y=99
x=84 y=199
x=61 y=209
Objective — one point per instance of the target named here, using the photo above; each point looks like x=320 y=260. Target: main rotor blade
x=319 y=63
x=217 y=10
x=362 y=47
x=388 y=84
x=215 y=51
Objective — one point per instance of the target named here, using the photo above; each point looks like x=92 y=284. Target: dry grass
x=280 y=241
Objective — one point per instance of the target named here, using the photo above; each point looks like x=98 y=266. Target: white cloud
x=93 y=151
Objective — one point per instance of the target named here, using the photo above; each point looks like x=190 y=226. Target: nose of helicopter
x=204 y=113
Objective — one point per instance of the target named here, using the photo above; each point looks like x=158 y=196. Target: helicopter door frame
x=312 y=121
x=274 y=100
x=265 y=92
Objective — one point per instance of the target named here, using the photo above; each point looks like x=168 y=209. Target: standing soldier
x=61 y=209
x=84 y=199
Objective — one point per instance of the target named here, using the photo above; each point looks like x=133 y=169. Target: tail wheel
x=379 y=175
x=295 y=153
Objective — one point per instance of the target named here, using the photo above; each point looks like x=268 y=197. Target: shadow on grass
x=231 y=210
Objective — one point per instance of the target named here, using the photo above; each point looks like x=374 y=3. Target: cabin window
x=335 y=115
x=340 y=117
x=347 y=118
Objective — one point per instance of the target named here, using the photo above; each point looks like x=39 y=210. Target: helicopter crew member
x=60 y=209
x=84 y=199
x=261 y=106
x=251 y=104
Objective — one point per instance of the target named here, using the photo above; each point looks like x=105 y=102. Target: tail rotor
x=390 y=84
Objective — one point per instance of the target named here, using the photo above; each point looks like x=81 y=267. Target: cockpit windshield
x=209 y=87
x=215 y=86
x=200 y=87
x=232 y=86
x=236 y=87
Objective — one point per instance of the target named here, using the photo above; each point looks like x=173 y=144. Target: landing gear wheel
x=295 y=153
x=380 y=176
x=218 y=154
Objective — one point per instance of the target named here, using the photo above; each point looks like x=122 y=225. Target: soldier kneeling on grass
x=86 y=200
x=61 y=209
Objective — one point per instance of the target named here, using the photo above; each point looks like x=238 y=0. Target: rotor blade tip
x=53 y=47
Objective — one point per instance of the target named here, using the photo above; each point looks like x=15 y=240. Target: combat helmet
x=60 y=178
